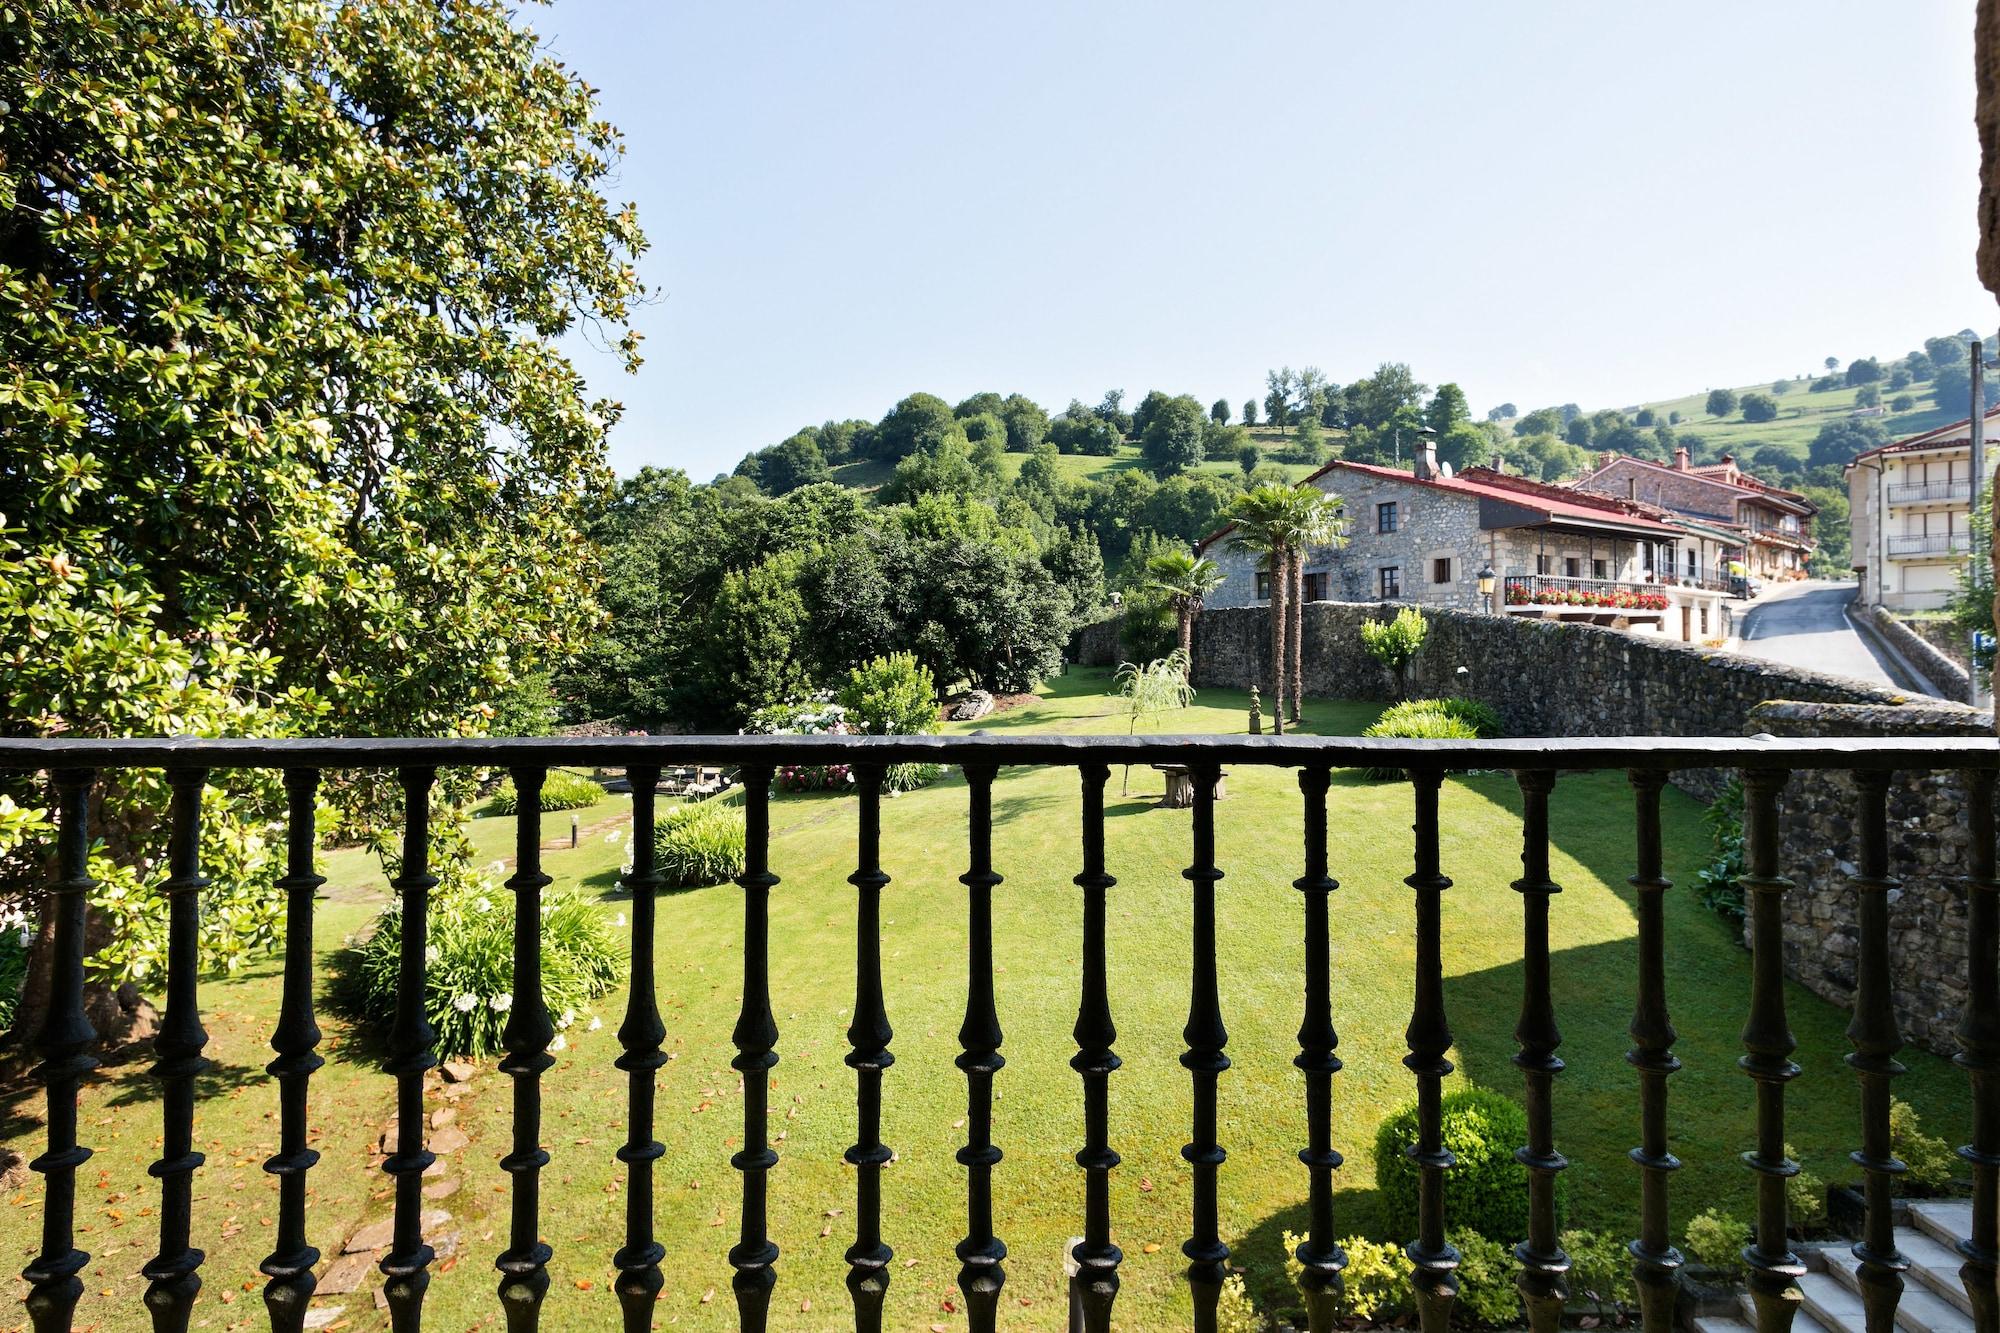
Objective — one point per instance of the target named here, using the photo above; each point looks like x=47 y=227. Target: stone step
x=1921 y=1309
x=1946 y=1221
x=1805 y=1321
x=1933 y=1268
x=1830 y=1302
x=1720 y=1324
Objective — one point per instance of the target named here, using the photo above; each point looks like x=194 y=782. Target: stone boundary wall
x=1543 y=677
x=1947 y=676
x=1942 y=635
x=1929 y=846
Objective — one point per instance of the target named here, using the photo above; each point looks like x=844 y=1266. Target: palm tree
x=1317 y=520
x=1265 y=518
x=1187 y=580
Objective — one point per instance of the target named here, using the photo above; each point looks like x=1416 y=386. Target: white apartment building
x=1909 y=511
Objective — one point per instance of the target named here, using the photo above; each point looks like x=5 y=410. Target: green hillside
x=1801 y=414
x=869 y=473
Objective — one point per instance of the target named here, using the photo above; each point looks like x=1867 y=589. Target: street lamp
x=1486 y=577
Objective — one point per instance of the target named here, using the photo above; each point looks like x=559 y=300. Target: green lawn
x=1038 y=1189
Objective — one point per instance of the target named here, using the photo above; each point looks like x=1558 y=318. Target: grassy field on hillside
x=1800 y=416
x=1038 y=1188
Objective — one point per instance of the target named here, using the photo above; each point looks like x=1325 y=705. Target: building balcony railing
x=1931 y=492
x=77 y=768
x=1543 y=591
x=1931 y=543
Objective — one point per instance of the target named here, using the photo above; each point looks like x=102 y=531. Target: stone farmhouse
x=1769 y=528
x=1909 y=510
x=1431 y=537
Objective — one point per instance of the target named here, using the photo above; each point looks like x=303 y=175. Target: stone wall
x=1947 y=676
x=1941 y=634
x=1928 y=850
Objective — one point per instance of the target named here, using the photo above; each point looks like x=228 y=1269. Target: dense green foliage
x=700 y=844
x=1487 y=1191
x=1467 y=719
x=1396 y=642
x=469 y=982
x=561 y=790
x=1717 y=1240
x=287 y=441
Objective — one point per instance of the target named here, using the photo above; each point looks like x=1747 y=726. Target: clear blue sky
x=1545 y=203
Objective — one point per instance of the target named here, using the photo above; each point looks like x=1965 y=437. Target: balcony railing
x=1527 y=592
x=1932 y=543
x=1930 y=492
x=1763 y=763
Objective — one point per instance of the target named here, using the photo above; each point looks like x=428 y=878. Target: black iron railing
x=175 y=1274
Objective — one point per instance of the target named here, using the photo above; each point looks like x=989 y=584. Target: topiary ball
x=1487 y=1191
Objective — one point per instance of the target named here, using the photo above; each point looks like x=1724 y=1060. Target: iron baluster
x=174 y=1274
x=1767 y=1039
x=640 y=1035
x=55 y=1277
x=407 y=1264
x=754 y=1256
x=1544 y=1266
x=1979 y=1056
x=296 y=1043
x=1208 y=1256
x=1429 y=1036
x=524 y=1264
x=1319 y=1253
x=1097 y=1259
x=981 y=1254
x=869 y=1035
x=1656 y=1263
x=1876 y=1041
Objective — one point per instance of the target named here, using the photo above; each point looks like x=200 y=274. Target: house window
x=1316 y=590
x=1597 y=569
x=1704 y=622
x=1572 y=567
x=1690 y=562
x=1385 y=516
x=1441 y=569
x=1541 y=564
x=1392 y=579
x=1263 y=586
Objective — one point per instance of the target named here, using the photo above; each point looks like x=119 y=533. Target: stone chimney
x=1425 y=462
x=1606 y=459
x=1499 y=463
x=1682 y=462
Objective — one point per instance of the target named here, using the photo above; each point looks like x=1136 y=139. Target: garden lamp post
x=1486 y=581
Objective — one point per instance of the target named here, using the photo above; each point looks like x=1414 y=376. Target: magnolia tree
x=287 y=443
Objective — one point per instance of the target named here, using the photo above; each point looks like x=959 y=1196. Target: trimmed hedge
x=561 y=790
x=1487 y=1191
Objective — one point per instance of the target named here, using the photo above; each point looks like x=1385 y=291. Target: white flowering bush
x=16 y=931
x=470 y=964
x=816 y=716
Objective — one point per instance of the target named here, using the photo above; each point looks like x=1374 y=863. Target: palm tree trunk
x=1298 y=600
x=1185 y=610
x=1278 y=627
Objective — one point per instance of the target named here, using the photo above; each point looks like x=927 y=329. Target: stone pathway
x=356 y=1267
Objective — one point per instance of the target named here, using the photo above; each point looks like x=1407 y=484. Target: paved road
x=1805 y=625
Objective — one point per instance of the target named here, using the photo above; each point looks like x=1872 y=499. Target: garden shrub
x=469 y=983
x=1600 y=1269
x=701 y=843
x=1719 y=883
x=1396 y=643
x=1235 y=1312
x=15 y=936
x=894 y=696
x=1430 y=719
x=1717 y=1240
x=817 y=716
x=1805 y=1197
x=1931 y=1161
x=1485 y=1279
x=561 y=790
x=1487 y=1191
x=1374 y=1286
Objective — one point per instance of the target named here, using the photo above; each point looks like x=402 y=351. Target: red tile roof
x=1557 y=503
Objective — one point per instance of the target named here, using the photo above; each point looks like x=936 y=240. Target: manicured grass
x=1038 y=1188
